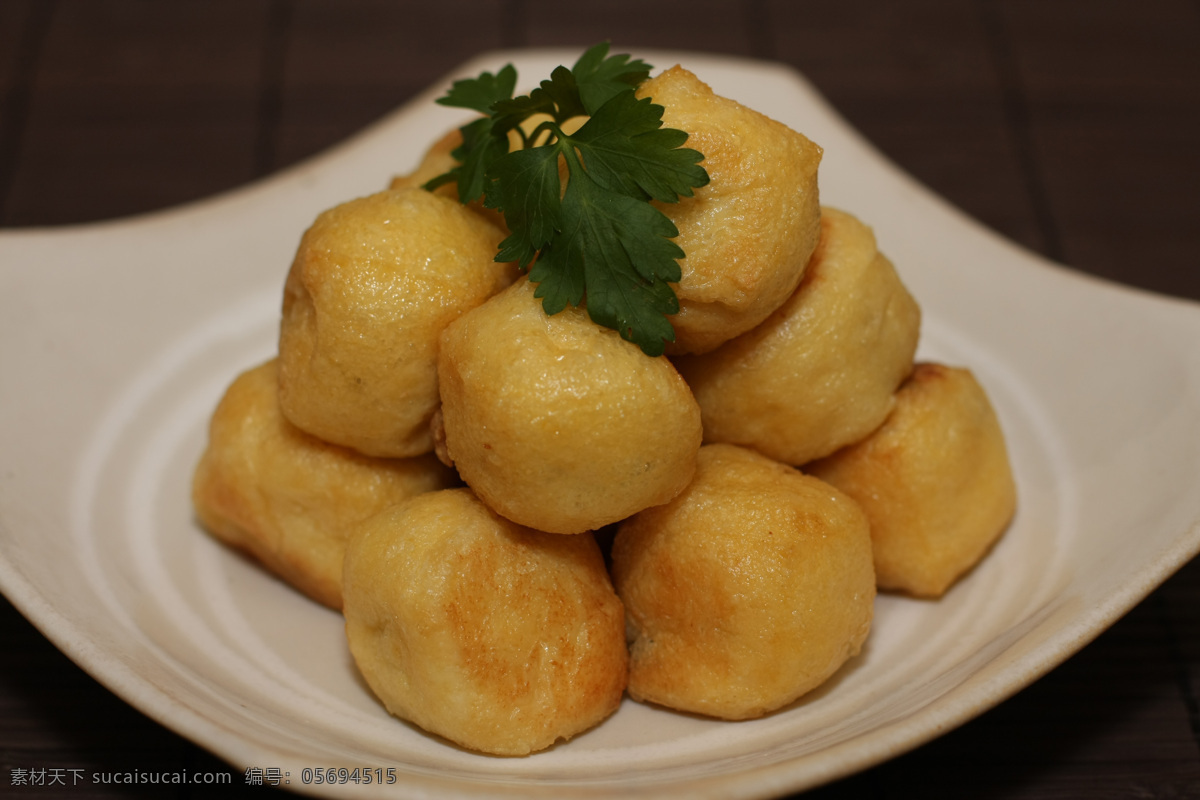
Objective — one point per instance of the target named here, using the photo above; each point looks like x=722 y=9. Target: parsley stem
x=550 y=129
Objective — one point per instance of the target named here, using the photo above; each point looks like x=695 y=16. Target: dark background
x=1069 y=126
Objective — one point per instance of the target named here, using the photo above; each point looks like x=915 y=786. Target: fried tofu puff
x=746 y=591
x=372 y=286
x=497 y=637
x=821 y=371
x=934 y=480
x=288 y=498
x=749 y=233
x=558 y=423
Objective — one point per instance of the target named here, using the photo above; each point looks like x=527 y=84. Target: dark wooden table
x=1070 y=126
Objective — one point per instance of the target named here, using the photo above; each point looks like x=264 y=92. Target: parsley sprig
x=598 y=241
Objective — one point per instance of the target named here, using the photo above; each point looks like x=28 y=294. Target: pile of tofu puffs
x=524 y=518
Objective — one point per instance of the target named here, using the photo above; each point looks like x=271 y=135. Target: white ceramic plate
x=117 y=339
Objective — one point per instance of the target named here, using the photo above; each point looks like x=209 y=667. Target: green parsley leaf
x=624 y=145
x=479 y=94
x=558 y=97
x=479 y=149
x=599 y=78
x=482 y=141
x=618 y=248
x=598 y=242
x=525 y=185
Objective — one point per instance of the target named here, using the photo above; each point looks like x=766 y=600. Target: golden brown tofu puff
x=558 y=423
x=288 y=498
x=497 y=637
x=934 y=480
x=746 y=591
x=821 y=371
x=372 y=286
x=749 y=233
